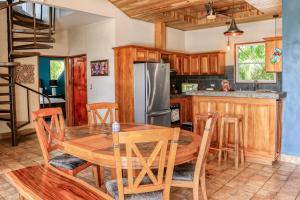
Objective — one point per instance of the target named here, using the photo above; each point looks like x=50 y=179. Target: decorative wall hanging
x=276 y=56
x=25 y=74
x=99 y=68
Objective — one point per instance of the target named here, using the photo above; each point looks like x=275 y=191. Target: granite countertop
x=241 y=94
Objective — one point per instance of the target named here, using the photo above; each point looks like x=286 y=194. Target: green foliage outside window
x=57 y=67
x=251 y=63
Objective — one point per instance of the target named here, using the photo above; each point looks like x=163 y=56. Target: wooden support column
x=160 y=35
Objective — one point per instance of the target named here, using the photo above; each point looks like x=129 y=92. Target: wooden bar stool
x=199 y=126
x=238 y=145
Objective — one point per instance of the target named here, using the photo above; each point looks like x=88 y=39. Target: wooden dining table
x=95 y=143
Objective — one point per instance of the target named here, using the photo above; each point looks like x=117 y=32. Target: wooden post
x=160 y=35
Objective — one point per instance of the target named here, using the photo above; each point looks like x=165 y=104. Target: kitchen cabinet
x=185 y=65
x=178 y=63
x=185 y=108
x=270 y=44
x=194 y=65
x=144 y=55
x=204 y=64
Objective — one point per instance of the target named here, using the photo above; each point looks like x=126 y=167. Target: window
x=57 y=67
x=250 y=64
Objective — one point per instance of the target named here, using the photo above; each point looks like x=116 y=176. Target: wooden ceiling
x=191 y=14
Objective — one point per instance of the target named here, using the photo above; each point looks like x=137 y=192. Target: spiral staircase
x=27 y=33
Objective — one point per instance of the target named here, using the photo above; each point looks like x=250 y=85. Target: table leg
x=98 y=172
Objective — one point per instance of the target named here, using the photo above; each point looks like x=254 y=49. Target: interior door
x=79 y=90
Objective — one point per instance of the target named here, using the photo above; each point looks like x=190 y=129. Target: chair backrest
x=93 y=112
x=133 y=157
x=205 y=142
x=51 y=135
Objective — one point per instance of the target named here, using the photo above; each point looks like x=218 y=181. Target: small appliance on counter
x=186 y=87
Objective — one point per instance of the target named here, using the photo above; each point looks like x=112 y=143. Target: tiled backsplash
x=206 y=81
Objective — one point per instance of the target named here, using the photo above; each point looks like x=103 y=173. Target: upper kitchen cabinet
x=208 y=63
x=271 y=44
x=194 y=64
x=144 y=55
x=182 y=64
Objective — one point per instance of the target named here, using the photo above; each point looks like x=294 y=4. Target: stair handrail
x=32 y=90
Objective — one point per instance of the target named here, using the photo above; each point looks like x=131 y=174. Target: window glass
x=57 y=67
x=250 y=64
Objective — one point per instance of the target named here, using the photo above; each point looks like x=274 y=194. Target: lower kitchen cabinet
x=185 y=108
x=262 y=123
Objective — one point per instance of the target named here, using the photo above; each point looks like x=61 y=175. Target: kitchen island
x=262 y=118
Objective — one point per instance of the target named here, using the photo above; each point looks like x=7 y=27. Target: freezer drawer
x=162 y=118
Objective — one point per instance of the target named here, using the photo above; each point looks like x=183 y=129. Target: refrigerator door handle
x=148 y=89
x=154 y=114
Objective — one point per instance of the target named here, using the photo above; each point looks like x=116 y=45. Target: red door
x=79 y=90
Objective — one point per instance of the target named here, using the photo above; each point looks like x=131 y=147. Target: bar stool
x=238 y=144
x=199 y=125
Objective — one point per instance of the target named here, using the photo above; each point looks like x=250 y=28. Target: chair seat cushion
x=184 y=172
x=112 y=189
x=66 y=161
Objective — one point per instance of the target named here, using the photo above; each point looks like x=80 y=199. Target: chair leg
x=236 y=144
x=242 y=143
x=98 y=172
x=203 y=186
x=221 y=142
x=196 y=191
x=226 y=141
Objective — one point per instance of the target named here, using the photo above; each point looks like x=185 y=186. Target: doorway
x=52 y=82
x=76 y=90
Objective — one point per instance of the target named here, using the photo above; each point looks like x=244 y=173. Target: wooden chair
x=93 y=113
x=94 y=118
x=41 y=182
x=146 y=185
x=50 y=138
x=189 y=175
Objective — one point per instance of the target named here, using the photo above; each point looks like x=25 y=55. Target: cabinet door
x=153 y=56
x=221 y=63
x=177 y=64
x=141 y=55
x=270 y=47
x=185 y=65
x=204 y=64
x=213 y=64
x=195 y=65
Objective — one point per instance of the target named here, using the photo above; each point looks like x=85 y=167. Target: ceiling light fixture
x=211 y=12
x=233 y=29
x=228 y=47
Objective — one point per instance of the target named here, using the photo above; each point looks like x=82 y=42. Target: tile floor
x=253 y=181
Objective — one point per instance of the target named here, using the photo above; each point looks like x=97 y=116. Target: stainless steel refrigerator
x=152 y=94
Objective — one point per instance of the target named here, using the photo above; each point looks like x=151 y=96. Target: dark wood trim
x=53 y=56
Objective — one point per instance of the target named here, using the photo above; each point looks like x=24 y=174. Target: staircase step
x=5 y=84
x=20 y=124
x=4 y=94
x=32 y=46
x=4 y=117
x=5 y=75
x=4 y=102
x=4 y=111
x=30 y=25
x=31 y=39
x=8 y=64
x=20 y=14
x=16 y=54
x=31 y=32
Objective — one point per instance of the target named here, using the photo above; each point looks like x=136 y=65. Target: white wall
x=96 y=40
x=213 y=38
x=175 y=39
